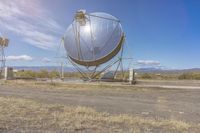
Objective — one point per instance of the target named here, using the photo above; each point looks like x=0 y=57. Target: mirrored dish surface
x=94 y=41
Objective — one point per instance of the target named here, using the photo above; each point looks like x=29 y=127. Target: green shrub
x=146 y=76
x=54 y=74
x=26 y=74
x=40 y=74
x=43 y=74
x=191 y=76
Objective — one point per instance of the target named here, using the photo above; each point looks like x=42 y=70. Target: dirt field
x=178 y=109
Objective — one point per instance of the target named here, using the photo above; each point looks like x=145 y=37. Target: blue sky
x=159 y=33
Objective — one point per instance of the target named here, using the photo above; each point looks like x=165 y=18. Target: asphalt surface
x=155 y=102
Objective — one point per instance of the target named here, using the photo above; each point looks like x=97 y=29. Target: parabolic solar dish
x=93 y=39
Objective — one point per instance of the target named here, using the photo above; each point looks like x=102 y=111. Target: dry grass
x=71 y=86
x=22 y=115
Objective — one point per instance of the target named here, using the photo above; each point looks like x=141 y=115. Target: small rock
x=181 y=112
x=145 y=113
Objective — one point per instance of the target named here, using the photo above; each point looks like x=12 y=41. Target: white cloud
x=29 y=20
x=148 y=63
x=19 y=58
x=46 y=60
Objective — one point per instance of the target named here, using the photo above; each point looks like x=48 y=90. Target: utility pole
x=3 y=44
x=62 y=71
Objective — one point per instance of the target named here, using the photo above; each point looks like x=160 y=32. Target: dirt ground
x=148 y=102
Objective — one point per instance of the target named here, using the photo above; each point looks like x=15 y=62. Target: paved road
x=179 y=104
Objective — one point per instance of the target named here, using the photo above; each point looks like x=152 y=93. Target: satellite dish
x=93 y=39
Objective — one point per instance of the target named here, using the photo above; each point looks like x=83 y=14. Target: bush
x=146 y=76
x=54 y=74
x=191 y=76
x=40 y=74
x=72 y=74
x=26 y=74
x=43 y=74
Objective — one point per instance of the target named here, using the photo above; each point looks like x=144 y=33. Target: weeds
x=22 y=115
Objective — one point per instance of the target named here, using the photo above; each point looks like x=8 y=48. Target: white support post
x=131 y=76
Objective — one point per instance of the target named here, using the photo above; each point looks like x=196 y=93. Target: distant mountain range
x=71 y=69
x=158 y=70
x=48 y=68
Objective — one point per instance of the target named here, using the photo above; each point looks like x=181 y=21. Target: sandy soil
x=178 y=104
